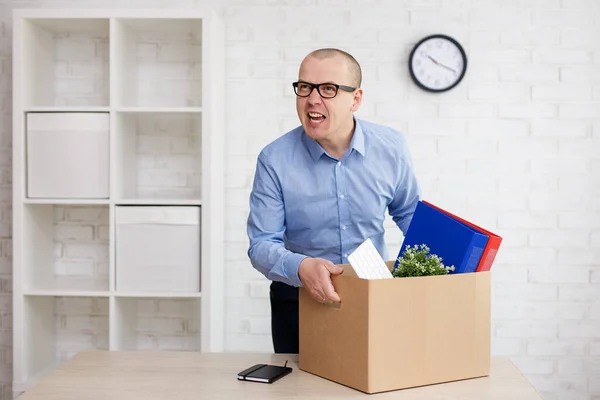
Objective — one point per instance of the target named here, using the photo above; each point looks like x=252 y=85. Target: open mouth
x=316 y=117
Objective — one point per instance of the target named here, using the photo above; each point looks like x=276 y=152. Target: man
x=323 y=188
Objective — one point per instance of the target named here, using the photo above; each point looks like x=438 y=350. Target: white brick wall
x=81 y=68
x=524 y=125
x=5 y=206
x=171 y=70
x=81 y=243
x=174 y=173
x=80 y=324
x=162 y=324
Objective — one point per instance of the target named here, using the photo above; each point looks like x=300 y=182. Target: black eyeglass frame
x=318 y=85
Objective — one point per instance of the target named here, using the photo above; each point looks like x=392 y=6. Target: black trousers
x=284 y=318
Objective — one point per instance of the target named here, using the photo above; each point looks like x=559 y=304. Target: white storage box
x=158 y=249
x=67 y=155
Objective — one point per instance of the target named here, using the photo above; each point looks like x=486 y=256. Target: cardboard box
x=158 y=248
x=390 y=334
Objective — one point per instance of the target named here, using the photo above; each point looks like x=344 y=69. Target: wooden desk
x=192 y=376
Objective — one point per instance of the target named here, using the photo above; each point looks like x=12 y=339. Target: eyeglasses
x=326 y=90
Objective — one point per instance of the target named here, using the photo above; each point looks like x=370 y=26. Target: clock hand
x=440 y=64
x=433 y=59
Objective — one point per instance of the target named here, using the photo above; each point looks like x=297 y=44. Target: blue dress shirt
x=306 y=203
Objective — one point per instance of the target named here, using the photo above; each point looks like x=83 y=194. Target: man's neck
x=339 y=143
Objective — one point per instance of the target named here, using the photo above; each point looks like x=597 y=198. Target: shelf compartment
x=66 y=62
x=71 y=248
x=157 y=249
x=56 y=328
x=150 y=323
x=159 y=62
x=68 y=155
x=158 y=156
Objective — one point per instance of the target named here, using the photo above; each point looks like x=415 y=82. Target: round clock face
x=437 y=63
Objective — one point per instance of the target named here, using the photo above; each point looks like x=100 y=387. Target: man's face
x=327 y=118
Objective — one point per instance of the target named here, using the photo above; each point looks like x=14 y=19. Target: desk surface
x=192 y=376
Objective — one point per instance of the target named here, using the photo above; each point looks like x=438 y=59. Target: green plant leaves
x=416 y=261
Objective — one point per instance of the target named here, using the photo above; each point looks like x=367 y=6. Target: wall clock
x=437 y=63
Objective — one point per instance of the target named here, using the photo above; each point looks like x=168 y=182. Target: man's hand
x=315 y=274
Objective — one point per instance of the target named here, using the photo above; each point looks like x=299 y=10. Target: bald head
x=351 y=63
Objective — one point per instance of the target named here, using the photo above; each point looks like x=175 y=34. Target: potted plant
x=416 y=261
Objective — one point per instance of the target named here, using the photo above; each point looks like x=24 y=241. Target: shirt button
x=346 y=255
x=344 y=227
x=341 y=196
x=339 y=164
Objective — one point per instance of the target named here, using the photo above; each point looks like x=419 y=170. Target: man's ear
x=357 y=100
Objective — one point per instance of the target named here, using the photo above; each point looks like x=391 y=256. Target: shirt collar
x=357 y=143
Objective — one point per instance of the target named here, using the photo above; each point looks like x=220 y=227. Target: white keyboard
x=367 y=262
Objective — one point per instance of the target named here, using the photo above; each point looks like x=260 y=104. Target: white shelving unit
x=158 y=75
